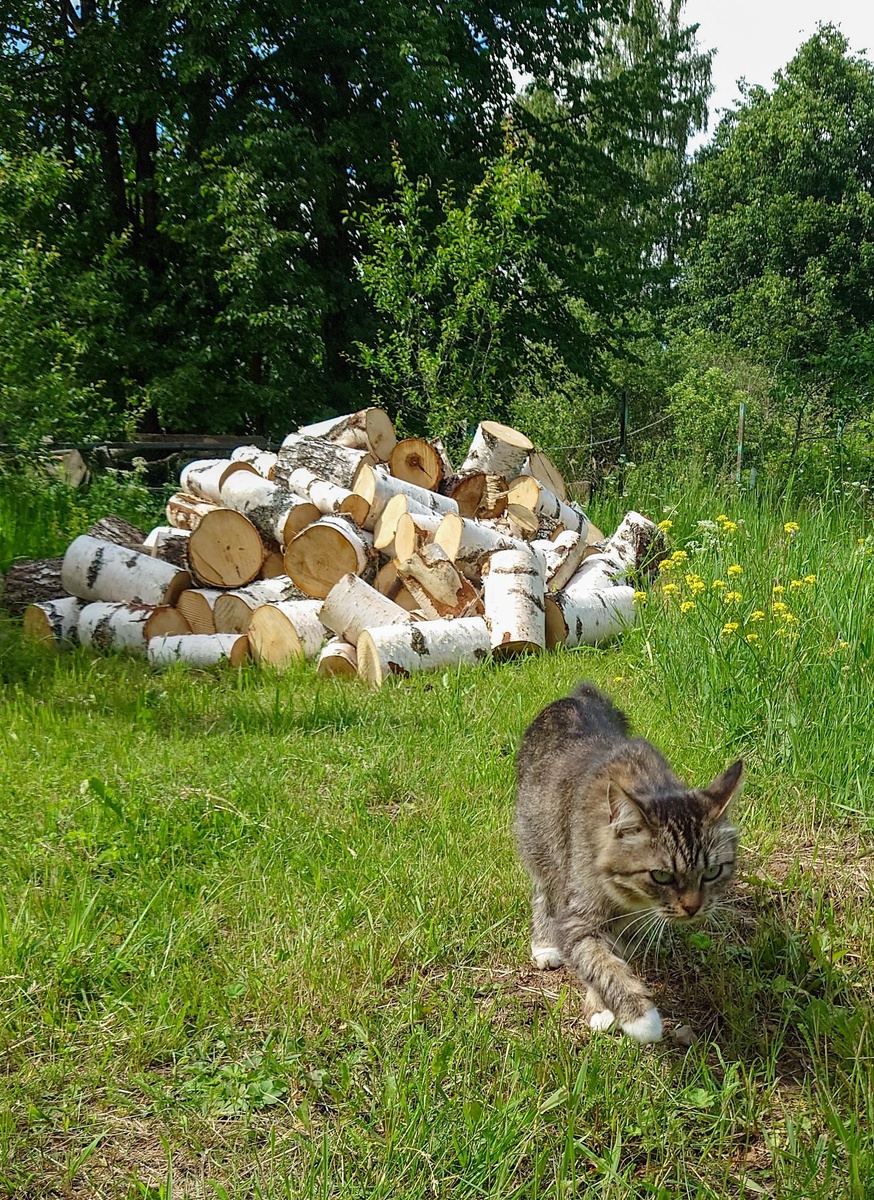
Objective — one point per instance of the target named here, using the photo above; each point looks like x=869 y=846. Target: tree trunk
x=199 y=650
x=414 y=531
x=110 y=626
x=352 y=606
x=205 y=477
x=225 y=550
x=186 y=512
x=497 y=450
x=514 y=603
x=197 y=606
x=377 y=488
x=280 y=633
x=546 y=472
x=585 y=618
x=96 y=570
x=264 y=461
x=327 y=497
x=469 y=544
x=468 y=491
x=54 y=622
x=426 y=646
x=389 y=583
x=336 y=464
x=278 y=513
x=117 y=530
x=386 y=524
x=561 y=558
x=545 y=505
x=494 y=500
x=168 y=544
x=437 y=587
x=371 y=430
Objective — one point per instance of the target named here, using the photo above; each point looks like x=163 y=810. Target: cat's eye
x=712 y=872
x=662 y=877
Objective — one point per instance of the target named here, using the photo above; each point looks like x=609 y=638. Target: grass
x=265 y=936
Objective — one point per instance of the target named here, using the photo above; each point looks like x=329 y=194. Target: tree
x=782 y=257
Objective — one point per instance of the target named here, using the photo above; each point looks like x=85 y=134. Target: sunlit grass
x=266 y=936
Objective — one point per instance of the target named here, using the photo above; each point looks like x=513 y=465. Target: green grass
x=265 y=936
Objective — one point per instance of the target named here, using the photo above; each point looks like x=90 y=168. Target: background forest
x=237 y=218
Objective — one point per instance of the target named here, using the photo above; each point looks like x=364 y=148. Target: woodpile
x=368 y=554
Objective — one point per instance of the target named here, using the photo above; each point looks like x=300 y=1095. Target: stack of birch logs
x=369 y=554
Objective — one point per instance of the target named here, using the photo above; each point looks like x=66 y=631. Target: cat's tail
x=597 y=706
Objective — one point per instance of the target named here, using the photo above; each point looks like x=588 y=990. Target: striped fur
x=597 y=813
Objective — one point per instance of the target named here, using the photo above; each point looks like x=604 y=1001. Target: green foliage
x=451 y=291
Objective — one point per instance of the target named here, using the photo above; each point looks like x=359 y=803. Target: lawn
x=266 y=936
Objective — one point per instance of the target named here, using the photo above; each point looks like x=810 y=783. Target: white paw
x=546 y=958
x=647 y=1028
x=601 y=1020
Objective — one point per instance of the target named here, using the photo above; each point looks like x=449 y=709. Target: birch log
x=427 y=646
x=111 y=626
x=469 y=544
x=389 y=583
x=336 y=464
x=437 y=587
x=497 y=449
x=197 y=607
x=278 y=513
x=514 y=603
x=468 y=491
x=96 y=570
x=273 y=565
x=494 y=500
x=585 y=618
x=199 y=650
x=264 y=461
x=338 y=658
x=54 y=622
x=545 y=505
x=233 y=610
x=352 y=606
x=386 y=524
x=416 y=461
x=116 y=529
x=597 y=571
x=225 y=550
x=205 y=477
x=280 y=633
x=33 y=582
x=561 y=558
x=377 y=488
x=327 y=497
x=638 y=542
x=370 y=429
x=186 y=512
x=546 y=472
x=414 y=531
x=168 y=544
x=324 y=552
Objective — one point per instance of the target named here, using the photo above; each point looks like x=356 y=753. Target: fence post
x=623 y=442
x=740 y=440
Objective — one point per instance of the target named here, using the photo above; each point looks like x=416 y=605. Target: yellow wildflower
x=734 y=569
x=732 y=597
x=778 y=589
x=639 y=597
x=722 y=517
x=669 y=589
x=758 y=615
x=688 y=606
x=842 y=645
x=730 y=627
x=788 y=617
x=795 y=585
x=791 y=527
x=810 y=579
x=698 y=586
x=751 y=637
x=729 y=527
x=679 y=556
x=717 y=584
x=666 y=564
x=779 y=607
x=664 y=526
x=860 y=541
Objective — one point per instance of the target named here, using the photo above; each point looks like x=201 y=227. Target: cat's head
x=674 y=853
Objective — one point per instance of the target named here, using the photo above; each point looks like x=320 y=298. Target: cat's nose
x=690 y=904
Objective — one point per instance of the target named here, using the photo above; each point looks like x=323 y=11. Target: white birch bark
x=585 y=618
x=96 y=570
x=186 y=512
x=370 y=429
x=278 y=513
x=377 y=488
x=336 y=464
x=469 y=544
x=233 y=610
x=426 y=646
x=264 y=461
x=338 y=658
x=55 y=622
x=327 y=497
x=514 y=603
x=199 y=650
x=289 y=629
x=634 y=540
x=437 y=587
x=545 y=505
x=352 y=606
x=497 y=450
x=560 y=558
x=205 y=477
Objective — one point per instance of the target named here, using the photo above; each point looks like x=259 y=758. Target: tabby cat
x=616 y=845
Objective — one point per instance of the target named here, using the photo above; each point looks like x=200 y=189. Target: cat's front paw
x=647 y=1028
x=602 y=1020
x=546 y=958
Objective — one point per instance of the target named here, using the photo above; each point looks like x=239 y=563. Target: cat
x=615 y=845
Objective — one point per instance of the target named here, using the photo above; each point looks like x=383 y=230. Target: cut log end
x=416 y=461
x=225 y=550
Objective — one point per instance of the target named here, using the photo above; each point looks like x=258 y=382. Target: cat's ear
x=625 y=812
x=723 y=790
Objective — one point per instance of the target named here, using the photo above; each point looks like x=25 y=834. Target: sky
x=754 y=38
